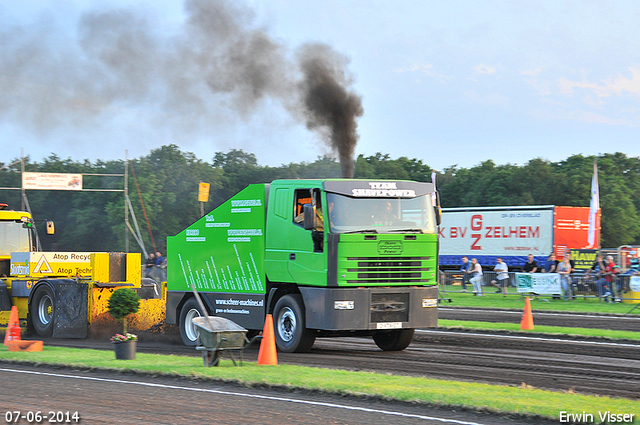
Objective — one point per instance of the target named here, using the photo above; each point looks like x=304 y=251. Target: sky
x=450 y=83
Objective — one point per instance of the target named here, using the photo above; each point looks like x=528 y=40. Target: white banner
x=497 y=233
x=52 y=181
x=539 y=283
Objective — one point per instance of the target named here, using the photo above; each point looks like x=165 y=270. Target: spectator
x=476 y=280
x=596 y=269
x=571 y=262
x=148 y=265
x=531 y=266
x=606 y=279
x=551 y=266
x=161 y=265
x=564 y=269
x=502 y=279
x=466 y=270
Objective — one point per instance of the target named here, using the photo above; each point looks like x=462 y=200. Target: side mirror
x=309 y=213
x=51 y=228
x=438 y=212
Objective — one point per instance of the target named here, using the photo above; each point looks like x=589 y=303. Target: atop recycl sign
x=39 y=264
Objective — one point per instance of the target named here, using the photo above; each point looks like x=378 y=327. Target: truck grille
x=382 y=270
x=389 y=307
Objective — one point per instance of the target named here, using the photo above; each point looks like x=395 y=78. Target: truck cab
x=358 y=257
x=17 y=234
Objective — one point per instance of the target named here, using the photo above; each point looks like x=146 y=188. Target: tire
x=188 y=331
x=41 y=311
x=395 y=340
x=289 y=326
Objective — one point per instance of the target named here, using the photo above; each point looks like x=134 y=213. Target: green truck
x=336 y=257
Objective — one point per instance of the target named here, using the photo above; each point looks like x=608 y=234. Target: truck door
x=307 y=259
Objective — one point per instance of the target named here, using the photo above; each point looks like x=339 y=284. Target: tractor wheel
x=188 y=331
x=41 y=311
x=291 y=335
x=395 y=340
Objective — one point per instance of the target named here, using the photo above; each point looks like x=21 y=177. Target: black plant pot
x=125 y=350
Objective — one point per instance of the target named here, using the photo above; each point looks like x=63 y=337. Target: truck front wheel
x=395 y=340
x=188 y=331
x=290 y=331
x=41 y=311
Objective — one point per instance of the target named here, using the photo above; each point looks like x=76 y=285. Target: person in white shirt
x=502 y=279
x=476 y=280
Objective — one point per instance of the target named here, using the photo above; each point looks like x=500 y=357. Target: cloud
x=485 y=69
x=618 y=85
x=426 y=69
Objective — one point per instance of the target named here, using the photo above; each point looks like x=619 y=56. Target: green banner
x=224 y=250
x=539 y=283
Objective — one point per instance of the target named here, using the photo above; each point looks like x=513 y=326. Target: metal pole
x=126 y=197
x=22 y=177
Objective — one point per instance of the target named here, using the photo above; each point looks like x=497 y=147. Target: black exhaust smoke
x=329 y=106
x=218 y=61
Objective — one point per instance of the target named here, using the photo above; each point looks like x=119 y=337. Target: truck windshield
x=13 y=237
x=380 y=215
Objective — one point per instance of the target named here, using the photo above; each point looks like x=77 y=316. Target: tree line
x=166 y=180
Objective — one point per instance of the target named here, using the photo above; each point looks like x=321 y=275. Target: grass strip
x=521 y=400
x=554 y=330
x=514 y=301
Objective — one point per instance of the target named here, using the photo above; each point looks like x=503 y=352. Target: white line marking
x=530 y=338
x=263 y=397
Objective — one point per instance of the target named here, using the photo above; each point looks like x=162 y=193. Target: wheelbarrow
x=217 y=334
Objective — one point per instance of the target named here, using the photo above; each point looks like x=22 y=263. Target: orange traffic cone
x=527 y=318
x=267 y=354
x=13 y=329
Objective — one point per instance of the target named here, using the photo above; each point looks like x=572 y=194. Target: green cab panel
x=291 y=256
x=224 y=250
x=387 y=260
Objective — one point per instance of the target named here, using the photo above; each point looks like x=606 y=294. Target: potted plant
x=123 y=302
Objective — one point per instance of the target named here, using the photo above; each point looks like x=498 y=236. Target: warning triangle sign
x=43 y=266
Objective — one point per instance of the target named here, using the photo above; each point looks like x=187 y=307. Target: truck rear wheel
x=188 y=331
x=290 y=330
x=41 y=311
x=395 y=340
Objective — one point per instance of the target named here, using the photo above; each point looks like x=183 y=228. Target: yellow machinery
x=65 y=294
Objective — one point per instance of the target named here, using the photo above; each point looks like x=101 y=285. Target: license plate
x=429 y=302
x=389 y=325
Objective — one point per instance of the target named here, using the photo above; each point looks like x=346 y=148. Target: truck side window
x=305 y=196
x=302 y=197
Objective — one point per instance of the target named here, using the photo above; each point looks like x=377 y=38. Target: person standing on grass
x=476 y=280
x=503 y=276
x=551 y=266
x=531 y=266
x=466 y=272
x=564 y=270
